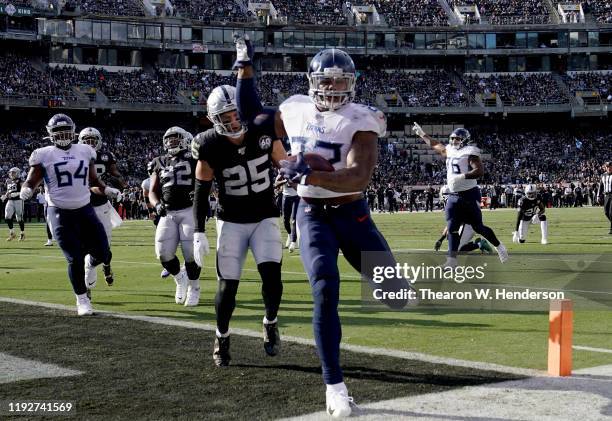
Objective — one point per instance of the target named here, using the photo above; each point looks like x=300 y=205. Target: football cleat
x=164 y=273
x=292 y=246
x=272 y=342
x=91 y=275
x=22 y=236
x=338 y=403
x=193 y=296
x=108 y=275
x=544 y=241
x=451 y=262
x=221 y=354
x=182 y=282
x=502 y=253
x=11 y=236
x=84 y=307
x=49 y=243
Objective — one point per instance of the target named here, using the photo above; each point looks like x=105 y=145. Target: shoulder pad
x=369 y=119
x=153 y=166
x=294 y=100
x=201 y=142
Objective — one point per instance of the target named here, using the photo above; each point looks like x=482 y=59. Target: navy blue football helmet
x=331 y=79
x=61 y=130
x=460 y=137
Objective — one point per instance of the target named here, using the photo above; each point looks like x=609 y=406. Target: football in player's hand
x=314 y=161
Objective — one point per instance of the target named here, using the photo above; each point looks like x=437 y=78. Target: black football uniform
x=243 y=173
x=176 y=175
x=104 y=160
x=528 y=208
x=13 y=187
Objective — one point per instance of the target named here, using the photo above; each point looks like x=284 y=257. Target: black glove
x=160 y=209
x=438 y=245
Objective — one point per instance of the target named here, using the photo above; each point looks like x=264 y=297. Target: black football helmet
x=61 y=130
x=460 y=137
x=331 y=79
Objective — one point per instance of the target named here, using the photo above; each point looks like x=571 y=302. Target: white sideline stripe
x=302 y=341
x=14 y=369
x=584 y=396
x=588 y=348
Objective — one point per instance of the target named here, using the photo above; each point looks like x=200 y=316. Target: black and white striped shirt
x=605 y=187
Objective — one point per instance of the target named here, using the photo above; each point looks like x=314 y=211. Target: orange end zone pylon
x=561 y=327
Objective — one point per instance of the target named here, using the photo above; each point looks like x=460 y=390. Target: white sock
x=195 y=283
x=12 y=231
x=222 y=335
x=81 y=296
x=338 y=388
x=268 y=322
x=544 y=229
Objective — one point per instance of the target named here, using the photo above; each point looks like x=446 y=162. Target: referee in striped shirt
x=605 y=191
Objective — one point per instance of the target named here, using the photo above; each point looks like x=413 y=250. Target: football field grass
x=30 y=271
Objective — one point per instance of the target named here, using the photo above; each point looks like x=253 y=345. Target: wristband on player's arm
x=200 y=204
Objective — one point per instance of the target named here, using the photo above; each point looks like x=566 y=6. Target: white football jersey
x=66 y=174
x=457 y=163
x=327 y=133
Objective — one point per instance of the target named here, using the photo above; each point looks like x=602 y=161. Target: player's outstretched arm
x=360 y=163
x=431 y=142
x=247 y=98
x=97 y=186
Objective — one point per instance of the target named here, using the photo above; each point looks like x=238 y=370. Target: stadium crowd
x=573 y=160
x=518 y=89
x=410 y=13
x=317 y=12
x=105 y=7
x=591 y=81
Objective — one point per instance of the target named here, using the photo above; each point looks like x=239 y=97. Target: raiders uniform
x=247 y=215
x=176 y=174
x=176 y=177
x=104 y=160
x=14 y=205
x=531 y=211
x=243 y=173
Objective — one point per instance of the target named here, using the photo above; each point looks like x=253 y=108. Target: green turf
x=30 y=271
x=140 y=370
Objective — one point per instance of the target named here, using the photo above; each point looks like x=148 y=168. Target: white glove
x=25 y=193
x=242 y=52
x=111 y=192
x=200 y=248
x=418 y=130
x=4 y=197
x=515 y=237
x=535 y=219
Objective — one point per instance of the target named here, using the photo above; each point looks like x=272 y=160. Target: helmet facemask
x=62 y=136
x=226 y=126
x=332 y=88
x=92 y=141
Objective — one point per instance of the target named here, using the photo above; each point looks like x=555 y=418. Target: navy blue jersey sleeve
x=264 y=122
x=247 y=100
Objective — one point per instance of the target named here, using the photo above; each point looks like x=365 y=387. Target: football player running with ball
x=463 y=169
x=530 y=211
x=68 y=171
x=333 y=214
x=172 y=180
